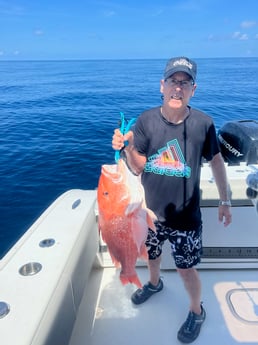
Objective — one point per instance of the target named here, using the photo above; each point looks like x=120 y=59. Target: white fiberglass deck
x=229 y=278
x=230 y=298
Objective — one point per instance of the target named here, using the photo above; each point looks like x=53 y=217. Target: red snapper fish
x=123 y=218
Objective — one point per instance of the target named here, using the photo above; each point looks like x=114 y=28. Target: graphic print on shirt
x=168 y=161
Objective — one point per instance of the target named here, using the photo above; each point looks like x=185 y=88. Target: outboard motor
x=238 y=141
x=252 y=189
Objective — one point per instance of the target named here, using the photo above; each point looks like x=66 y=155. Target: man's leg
x=154 y=270
x=190 y=329
x=154 y=285
x=192 y=285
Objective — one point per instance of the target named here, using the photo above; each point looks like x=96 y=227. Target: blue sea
x=58 y=117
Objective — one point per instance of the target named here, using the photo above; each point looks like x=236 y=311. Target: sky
x=127 y=29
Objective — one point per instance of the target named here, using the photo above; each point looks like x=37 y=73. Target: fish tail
x=132 y=279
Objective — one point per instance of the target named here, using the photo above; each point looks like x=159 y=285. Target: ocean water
x=58 y=117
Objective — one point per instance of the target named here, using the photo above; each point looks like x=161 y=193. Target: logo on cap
x=183 y=62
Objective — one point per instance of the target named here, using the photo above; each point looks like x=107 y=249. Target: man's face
x=177 y=90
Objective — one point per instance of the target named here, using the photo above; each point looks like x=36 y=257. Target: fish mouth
x=111 y=170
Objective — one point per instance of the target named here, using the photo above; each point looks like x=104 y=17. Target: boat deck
x=229 y=278
x=230 y=298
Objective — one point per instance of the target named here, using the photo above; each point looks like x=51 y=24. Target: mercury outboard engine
x=238 y=141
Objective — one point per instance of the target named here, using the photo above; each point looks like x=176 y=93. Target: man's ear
x=194 y=88
x=162 y=86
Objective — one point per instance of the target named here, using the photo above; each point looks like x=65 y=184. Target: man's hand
x=225 y=214
x=118 y=139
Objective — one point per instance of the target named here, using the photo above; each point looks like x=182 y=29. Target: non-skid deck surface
x=230 y=298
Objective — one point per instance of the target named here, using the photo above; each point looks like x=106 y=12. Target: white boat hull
x=76 y=296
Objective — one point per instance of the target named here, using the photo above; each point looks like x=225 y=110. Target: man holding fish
x=166 y=148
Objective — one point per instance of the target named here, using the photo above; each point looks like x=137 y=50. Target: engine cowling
x=238 y=141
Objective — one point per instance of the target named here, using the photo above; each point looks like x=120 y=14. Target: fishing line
x=125 y=126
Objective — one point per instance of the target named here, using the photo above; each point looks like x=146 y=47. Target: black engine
x=238 y=141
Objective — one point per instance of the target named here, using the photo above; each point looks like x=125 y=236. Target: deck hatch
x=244 y=304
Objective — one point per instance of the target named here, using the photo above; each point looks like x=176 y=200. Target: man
x=167 y=146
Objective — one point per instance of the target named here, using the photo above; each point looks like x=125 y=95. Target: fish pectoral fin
x=139 y=228
x=143 y=252
x=150 y=223
x=151 y=217
x=132 y=207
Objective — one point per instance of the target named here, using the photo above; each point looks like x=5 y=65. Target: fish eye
x=105 y=193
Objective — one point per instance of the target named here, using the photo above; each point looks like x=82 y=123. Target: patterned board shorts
x=186 y=245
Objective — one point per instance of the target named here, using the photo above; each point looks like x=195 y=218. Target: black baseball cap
x=180 y=64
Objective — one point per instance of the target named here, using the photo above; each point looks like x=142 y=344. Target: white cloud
x=239 y=36
x=158 y=13
x=236 y=34
x=38 y=32
x=243 y=37
x=94 y=36
x=248 y=24
x=109 y=13
x=8 y=9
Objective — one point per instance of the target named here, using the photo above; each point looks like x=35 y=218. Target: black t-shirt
x=171 y=177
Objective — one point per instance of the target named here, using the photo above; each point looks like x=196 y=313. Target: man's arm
x=219 y=172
